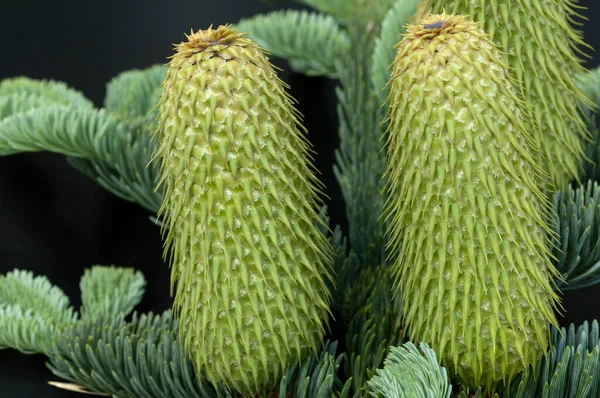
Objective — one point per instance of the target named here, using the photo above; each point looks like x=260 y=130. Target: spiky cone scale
x=540 y=45
x=249 y=263
x=467 y=240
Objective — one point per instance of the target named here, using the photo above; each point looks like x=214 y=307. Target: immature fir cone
x=538 y=42
x=467 y=238
x=249 y=263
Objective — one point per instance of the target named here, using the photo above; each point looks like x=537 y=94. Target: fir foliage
x=144 y=358
x=31 y=310
x=363 y=289
x=346 y=10
x=25 y=330
x=589 y=83
x=134 y=94
x=311 y=42
x=104 y=353
x=370 y=313
x=107 y=292
x=110 y=145
x=340 y=9
x=21 y=102
x=411 y=372
x=22 y=288
x=345 y=268
x=57 y=92
x=466 y=393
x=571 y=368
x=577 y=228
x=141 y=358
x=360 y=161
x=131 y=97
x=64 y=129
x=315 y=377
x=392 y=27
x=128 y=174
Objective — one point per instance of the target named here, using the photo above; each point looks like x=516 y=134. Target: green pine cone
x=249 y=263
x=538 y=42
x=469 y=246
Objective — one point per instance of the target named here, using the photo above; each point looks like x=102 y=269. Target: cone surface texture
x=249 y=262
x=469 y=248
x=539 y=43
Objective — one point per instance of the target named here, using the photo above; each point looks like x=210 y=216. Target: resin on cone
x=467 y=239
x=540 y=45
x=249 y=263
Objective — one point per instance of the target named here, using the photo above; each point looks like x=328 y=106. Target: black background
x=56 y=222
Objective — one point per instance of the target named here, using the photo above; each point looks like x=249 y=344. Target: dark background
x=56 y=222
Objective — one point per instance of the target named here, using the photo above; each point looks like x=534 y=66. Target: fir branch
x=360 y=160
x=346 y=10
x=476 y=394
x=134 y=94
x=31 y=310
x=346 y=269
x=392 y=27
x=107 y=292
x=591 y=169
x=360 y=165
x=143 y=358
x=589 y=83
x=72 y=131
x=311 y=42
x=314 y=377
x=128 y=173
x=577 y=228
x=25 y=330
x=33 y=292
x=21 y=102
x=570 y=369
x=103 y=353
x=57 y=92
x=114 y=154
x=114 y=148
x=372 y=327
x=340 y=9
x=409 y=372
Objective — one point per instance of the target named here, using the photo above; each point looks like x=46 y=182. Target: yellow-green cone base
x=249 y=263
x=469 y=247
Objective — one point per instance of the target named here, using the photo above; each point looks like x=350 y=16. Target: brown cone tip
x=203 y=39
x=438 y=24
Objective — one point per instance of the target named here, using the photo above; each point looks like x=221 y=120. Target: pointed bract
x=249 y=263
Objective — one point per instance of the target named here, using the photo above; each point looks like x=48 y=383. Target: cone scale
x=249 y=263
x=469 y=247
